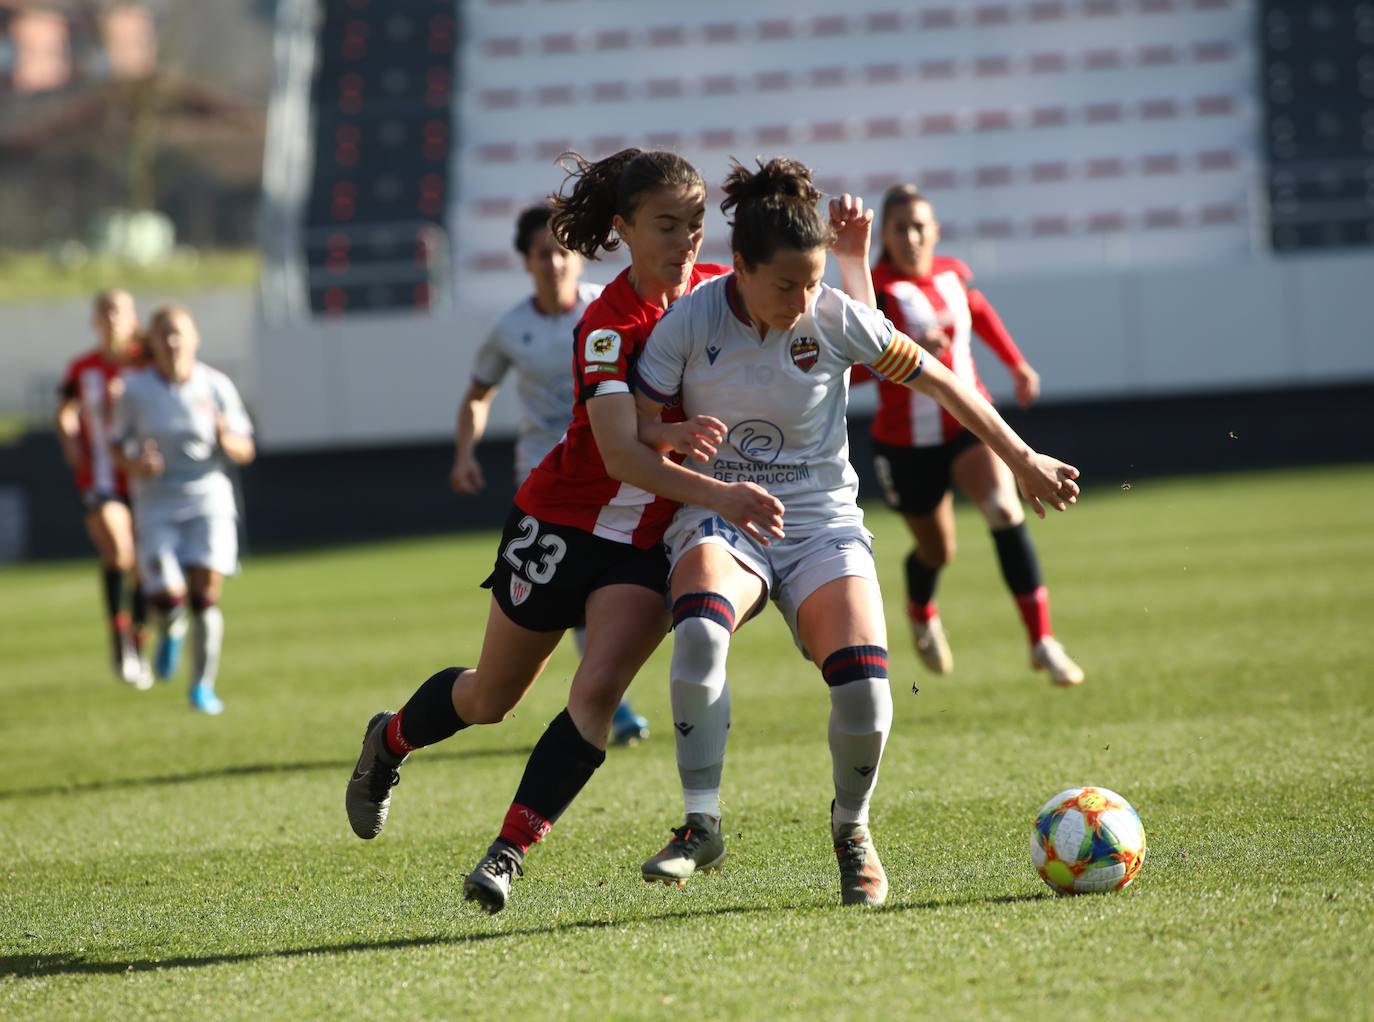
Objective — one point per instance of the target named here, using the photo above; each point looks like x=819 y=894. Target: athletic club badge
x=519 y=590
x=804 y=353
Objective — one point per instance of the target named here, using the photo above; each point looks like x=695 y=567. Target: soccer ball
x=1087 y=840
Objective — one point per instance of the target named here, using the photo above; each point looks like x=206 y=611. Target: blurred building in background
x=111 y=106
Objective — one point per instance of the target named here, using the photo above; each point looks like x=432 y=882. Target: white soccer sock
x=860 y=718
x=702 y=800
x=207 y=638
x=701 y=708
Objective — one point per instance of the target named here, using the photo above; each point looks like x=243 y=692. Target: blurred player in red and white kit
x=920 y=449
x=580 y=546
x=85 y=403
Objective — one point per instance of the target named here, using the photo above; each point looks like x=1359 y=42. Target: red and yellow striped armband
x=901 y=361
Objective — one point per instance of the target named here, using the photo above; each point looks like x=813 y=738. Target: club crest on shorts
x=805 y=351
x=519 y=590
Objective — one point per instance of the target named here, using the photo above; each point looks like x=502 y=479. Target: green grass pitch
x=156 y=864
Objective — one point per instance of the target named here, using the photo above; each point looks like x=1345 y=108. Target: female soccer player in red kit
x=920 y=449
x=579 y=545
x=85 y=404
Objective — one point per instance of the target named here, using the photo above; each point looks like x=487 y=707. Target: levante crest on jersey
x=804 y=353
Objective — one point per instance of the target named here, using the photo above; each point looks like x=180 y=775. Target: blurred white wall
x=1097 y=162
x=38 y=339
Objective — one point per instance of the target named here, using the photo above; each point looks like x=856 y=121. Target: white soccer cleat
x=1048 y=655
x=932 y=646
x=134 y=671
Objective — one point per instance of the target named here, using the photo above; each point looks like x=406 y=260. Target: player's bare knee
x=1001 y=512
x=938 y=554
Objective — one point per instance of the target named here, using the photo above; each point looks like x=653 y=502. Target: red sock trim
x=121 y=621
x=921 y=611
x=395 y=741
x=1035 y=612
x=523 y=827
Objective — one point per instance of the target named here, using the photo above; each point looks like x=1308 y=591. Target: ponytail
x=582 y=219
x=774 y=207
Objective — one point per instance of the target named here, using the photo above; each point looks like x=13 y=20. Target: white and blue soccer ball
x=1087 y=840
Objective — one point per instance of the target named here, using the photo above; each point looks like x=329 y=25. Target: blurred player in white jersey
x=535 y=338
x=768 y=350
x=85 y=403
x=177 y=427
x=921 y=451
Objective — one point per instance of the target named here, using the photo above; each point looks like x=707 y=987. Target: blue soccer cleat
x=168 y=656
x=204 y=700
x=628 y=727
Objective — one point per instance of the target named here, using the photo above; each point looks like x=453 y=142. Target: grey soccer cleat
x=368 y=798
x=490 y=883
x=932 y=645
x=862 y=880
x=696 y=846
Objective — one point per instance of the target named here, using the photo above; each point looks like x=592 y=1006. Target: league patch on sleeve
x=602 y=346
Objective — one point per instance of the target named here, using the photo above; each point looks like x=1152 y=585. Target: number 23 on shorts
x=538 y=569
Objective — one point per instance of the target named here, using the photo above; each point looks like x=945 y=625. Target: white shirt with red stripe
x=571 y=486
x=91 y=381
x=943 y=300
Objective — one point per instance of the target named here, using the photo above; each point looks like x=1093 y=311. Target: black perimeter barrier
x=322 y=498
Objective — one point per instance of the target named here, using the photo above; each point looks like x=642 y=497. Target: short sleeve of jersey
x=958 y=266
x=601 y=359
x=231 y=405
x=864 y=332
x=871 y=340
x=492 y=362
x=658 y=374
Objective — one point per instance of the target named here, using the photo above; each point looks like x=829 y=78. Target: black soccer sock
x=920 y=581
x=559 y=767
x=112 y=585
x=1016 y=555
x=428 y=716
x=138 y=607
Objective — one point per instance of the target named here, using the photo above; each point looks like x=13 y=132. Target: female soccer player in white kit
x=535 y=338
x=767 y=350
x=177 y=426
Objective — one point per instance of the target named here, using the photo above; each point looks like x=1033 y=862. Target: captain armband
x=901 y=361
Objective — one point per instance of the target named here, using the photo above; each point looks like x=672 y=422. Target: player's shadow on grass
x=32 y=966
x=236 y=770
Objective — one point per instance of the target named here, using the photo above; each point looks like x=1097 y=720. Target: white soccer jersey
x=180 y=419
x=782 y=398
x=540 y=348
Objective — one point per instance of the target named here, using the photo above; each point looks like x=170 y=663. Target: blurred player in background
x=921 y=450
x=579 y=546
x=534 y=337
x=85 y=403
x=178 y=425
x=768 y=350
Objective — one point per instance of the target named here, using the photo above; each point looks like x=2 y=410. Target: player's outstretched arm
x=1043 y=479
x=615 y=425
x=853 y=226
x=466 y=474
x=68 y=425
